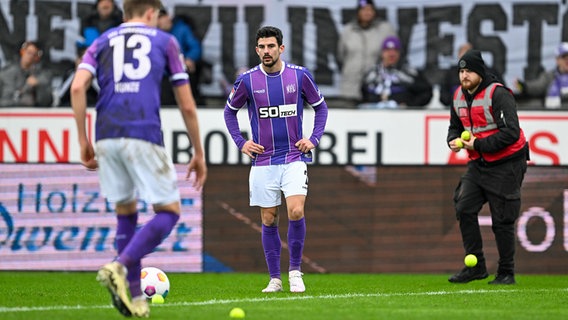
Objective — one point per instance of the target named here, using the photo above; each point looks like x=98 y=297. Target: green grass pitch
x=76 y=295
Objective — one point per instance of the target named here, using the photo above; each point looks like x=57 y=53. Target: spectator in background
x=62 y=94
x=451 y=82
x=359 y=48
x=550 y=86
x=26 y=84
x=393 y=84
x=181 y=27
x=106 y=14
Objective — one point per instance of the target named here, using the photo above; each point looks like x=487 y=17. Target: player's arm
x=313 y=96
x=79 y=86
x=239 y=97
x=186 y=103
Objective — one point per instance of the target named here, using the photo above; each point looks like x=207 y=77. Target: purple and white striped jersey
x=129 y=62
x=275 y=108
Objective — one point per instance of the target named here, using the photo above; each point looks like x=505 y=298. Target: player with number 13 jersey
x=132 y=71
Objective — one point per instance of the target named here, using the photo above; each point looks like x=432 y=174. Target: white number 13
x=142 y=47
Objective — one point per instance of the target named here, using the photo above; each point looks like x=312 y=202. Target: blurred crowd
x=371 y=57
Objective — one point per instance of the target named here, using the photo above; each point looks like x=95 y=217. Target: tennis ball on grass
x=237 y=313
x=157 y=298
x=470 y=260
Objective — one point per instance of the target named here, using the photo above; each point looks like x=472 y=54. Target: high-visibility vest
x=479 y=120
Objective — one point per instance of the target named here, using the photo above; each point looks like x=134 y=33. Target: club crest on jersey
x=280 y=111
x=291 y=88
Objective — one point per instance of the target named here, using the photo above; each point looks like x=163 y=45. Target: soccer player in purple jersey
x=129 y=62
x=274 y=93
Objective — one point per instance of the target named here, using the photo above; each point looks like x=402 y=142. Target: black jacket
x=506 y=118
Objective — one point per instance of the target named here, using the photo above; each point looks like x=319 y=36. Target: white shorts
x=266 y=183
x=132 y=168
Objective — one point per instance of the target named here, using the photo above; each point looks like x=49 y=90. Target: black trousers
x=500 y=186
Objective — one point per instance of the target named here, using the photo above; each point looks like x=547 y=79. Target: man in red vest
x=498 y=153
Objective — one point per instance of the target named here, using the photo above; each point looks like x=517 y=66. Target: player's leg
x=296 y=238
x=296 y=230
x=127 y=220
x=155 y=179
x=117 y=186
x=295 y=188
x=264 y=184
x=272 y=245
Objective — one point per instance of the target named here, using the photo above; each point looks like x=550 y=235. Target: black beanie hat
x=473 y=61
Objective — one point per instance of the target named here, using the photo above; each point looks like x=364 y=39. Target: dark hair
x=36 y=44
x=269 y=31
x=163 y=12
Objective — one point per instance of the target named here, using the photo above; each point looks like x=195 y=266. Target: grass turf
x=76 y=295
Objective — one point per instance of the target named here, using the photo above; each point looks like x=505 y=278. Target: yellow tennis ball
x=237 y=313
x=459 y=143
x=466 y=135
x=158 y=299
x=470 y=260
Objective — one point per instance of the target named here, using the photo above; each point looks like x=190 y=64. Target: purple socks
x=296 y=237
x=125 y=229
x=142 y=243
x=272 y=248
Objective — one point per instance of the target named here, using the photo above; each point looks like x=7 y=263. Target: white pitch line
x=273 y=298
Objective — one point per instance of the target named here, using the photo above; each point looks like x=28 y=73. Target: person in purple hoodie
x=274 y=93
x=128 y=62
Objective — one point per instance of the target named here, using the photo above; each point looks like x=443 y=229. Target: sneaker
x=503 y=279
x=140 y=307
x=296 y=281
x=113 y=277
x=275 y=285
x=469 y=274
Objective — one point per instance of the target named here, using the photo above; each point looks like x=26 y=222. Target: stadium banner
x=518 y=37
x=53 y=217
x=352 y=137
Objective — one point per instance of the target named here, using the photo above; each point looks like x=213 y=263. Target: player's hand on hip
x=304 y=145
x=250 y=148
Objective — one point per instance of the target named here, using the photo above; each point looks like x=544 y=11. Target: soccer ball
x=154 y=281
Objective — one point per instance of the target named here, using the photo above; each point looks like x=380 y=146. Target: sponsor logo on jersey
x=280 y=111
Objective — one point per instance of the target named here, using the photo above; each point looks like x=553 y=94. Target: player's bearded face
x=268 y=51
x=469 y=80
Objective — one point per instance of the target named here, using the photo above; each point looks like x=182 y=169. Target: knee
x=126 y=207
x=296 y=213
x=269 y=217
